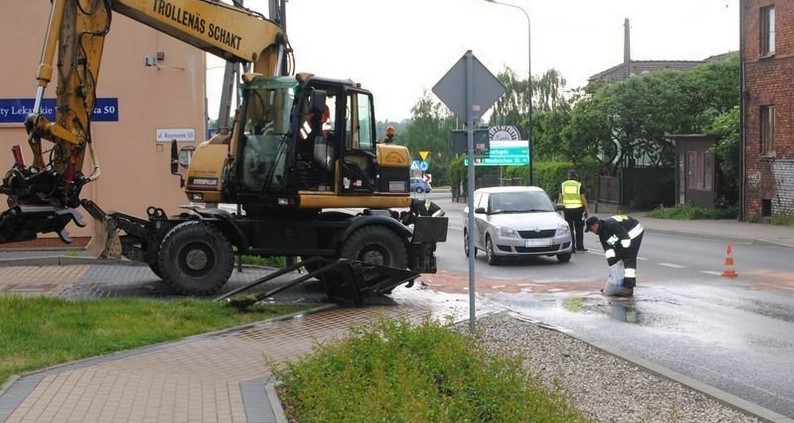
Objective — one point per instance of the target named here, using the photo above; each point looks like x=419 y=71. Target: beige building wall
x=135 y=166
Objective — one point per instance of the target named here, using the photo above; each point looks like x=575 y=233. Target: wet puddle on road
x=622 y=310
x=561 y=303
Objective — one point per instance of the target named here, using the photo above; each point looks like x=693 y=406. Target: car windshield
x=520 y=202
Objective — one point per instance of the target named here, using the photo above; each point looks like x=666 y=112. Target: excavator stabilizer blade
x=105 y=242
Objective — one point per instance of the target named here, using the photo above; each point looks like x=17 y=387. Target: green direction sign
x=505 y=153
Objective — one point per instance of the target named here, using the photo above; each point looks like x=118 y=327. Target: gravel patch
x=604 y=387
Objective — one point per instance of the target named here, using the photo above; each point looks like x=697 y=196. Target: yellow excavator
x=301 y=161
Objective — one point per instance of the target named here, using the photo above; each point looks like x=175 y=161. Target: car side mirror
x=479 y=210
x=560 y=207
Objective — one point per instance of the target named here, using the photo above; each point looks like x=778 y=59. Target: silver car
x=516 y=222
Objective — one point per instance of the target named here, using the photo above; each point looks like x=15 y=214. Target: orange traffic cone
x=729 y=271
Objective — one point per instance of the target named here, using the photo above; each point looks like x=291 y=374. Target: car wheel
x=466 y=244
x=419 y=190
x=564 y=257
x=489 y=253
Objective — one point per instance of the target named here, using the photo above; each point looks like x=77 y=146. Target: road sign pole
x=470 y=187
x=464 y=76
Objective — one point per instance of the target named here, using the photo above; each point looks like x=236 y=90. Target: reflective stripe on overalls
x=437 y=213
x=305 y=130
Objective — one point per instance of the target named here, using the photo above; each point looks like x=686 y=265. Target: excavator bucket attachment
x=24 y=222
x=105 y=242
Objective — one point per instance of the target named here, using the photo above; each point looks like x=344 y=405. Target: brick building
x=767 y=46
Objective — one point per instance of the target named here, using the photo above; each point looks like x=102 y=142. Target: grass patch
x=37 y=332
x=398 y=372
x=277 y=262
x=687 y=212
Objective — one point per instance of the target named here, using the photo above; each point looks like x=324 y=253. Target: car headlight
x=563 y=229
x=507 y=232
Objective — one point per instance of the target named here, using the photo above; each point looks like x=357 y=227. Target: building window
x=768 y=31
x=767 y=130
x=700 y=170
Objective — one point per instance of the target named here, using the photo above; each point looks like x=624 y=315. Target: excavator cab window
x=315 y=145
x=264 y=139
x=359 y=159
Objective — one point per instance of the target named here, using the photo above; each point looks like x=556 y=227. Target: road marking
x=711 y=272
x=674 y=266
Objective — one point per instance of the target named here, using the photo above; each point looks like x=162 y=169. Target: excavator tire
x=376 y=245
x=195 y=258
x=153 y=259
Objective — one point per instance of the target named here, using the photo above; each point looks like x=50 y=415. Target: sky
x=399 y=50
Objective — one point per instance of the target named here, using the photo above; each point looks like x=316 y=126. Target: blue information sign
x=15 y=110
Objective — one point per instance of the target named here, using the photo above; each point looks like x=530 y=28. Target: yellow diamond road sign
x=423 y=154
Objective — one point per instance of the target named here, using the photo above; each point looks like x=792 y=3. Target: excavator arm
x=44 y=196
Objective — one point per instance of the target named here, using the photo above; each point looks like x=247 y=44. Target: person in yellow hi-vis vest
x=576 y=209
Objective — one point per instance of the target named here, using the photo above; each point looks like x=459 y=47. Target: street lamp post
x=529 y=82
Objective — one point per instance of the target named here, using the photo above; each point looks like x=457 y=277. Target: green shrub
x=394 y=371
x=688 y=212
x=783 y=219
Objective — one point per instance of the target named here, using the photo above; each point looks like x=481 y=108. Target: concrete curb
x=727 y=238
x=718 y=394
x=275 y=401
x=63 y=261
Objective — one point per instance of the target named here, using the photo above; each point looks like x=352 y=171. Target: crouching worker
x=420 y=208
x=621 y=237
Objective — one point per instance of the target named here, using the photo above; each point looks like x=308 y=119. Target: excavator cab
x=301 y=142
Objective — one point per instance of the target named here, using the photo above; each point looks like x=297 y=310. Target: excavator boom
x=43 y=196
x=301 y=154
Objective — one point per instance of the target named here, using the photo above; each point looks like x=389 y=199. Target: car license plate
x=537 y=242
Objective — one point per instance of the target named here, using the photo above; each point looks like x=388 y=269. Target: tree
x=511 y=108
x=547 y=91
x=547 y=133
x=430 y=130
x=588 y=133
x=628 y=120
x=728 y=152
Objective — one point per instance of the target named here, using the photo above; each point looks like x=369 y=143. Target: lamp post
x=529 y=82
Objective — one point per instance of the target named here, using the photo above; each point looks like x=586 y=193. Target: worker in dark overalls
x=621 y=237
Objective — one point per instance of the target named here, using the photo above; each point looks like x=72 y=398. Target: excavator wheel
x=376 y=245
x=153 y=260
x=195 y=258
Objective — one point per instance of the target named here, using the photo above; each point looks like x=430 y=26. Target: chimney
x=627 y=47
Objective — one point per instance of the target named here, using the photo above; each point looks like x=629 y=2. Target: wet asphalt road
x=734 y=334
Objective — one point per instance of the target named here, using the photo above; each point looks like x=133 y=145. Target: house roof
x=640 y=67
